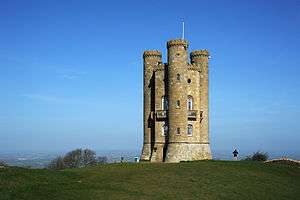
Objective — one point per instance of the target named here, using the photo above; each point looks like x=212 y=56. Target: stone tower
x=176 y=105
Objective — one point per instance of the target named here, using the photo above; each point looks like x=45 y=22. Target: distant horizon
x=139 y=150
x=42 y=159
x=38 y=159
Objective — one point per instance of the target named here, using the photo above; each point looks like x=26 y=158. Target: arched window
x=164 y=103
x=190 y=103
x=190 y=130
x=177 y=103
x=178 y=77
x=164 y=129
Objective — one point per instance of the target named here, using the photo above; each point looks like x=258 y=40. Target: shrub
x=260 y=156
x=257 y=156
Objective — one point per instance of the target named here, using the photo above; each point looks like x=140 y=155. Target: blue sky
x=71 y=71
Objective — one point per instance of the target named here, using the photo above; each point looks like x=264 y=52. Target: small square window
x=178 y=131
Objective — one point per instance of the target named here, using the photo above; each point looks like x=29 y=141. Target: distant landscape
x=42 y=159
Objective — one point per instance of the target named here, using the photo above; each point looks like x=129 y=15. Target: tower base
x=177 y=152
x=158 y=152
x=146 y=152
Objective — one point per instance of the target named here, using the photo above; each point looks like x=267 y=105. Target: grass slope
x=190 y=180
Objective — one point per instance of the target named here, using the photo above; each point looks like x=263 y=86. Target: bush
x=74 y=159
x=257 y=156
x=260 y=156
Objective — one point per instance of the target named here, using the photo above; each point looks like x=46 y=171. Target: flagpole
x=182 y=29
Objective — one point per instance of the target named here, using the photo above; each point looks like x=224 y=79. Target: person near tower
x=235 y=154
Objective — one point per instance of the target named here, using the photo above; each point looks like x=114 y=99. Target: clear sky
x=71 y=71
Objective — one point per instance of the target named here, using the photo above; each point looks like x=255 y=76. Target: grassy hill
x=189 y=180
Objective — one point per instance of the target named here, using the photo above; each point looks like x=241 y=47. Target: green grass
x=189 y=180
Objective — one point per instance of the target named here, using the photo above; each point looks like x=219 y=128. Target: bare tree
x=75 y=159
x=89 y=157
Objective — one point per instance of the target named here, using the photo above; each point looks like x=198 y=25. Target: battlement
x=177 y=42
x=152 y=53
x=199 y=53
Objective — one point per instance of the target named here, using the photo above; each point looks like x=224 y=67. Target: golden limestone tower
x=176 y=105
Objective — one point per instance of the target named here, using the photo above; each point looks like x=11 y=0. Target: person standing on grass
x=235 y=154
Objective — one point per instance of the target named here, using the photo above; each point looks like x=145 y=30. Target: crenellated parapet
x=152 y=53
x=177 y=42
x=199 y=53
x=199 y=57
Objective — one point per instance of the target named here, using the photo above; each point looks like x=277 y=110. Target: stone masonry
x=176 y=105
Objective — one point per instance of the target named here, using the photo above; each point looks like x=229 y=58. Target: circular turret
x=177 y=85
x=200 y=58
x=152 y=59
